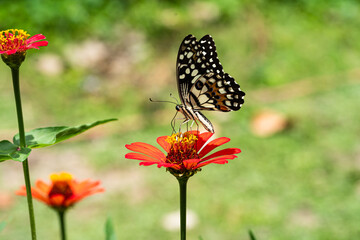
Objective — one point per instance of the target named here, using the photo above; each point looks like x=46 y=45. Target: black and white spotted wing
x=202 y=82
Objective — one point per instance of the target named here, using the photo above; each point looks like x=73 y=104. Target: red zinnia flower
x=63 y=191
x=15 y=42
x=185 y=152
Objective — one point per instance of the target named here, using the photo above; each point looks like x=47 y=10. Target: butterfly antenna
x=171 y=95
x=162 y=101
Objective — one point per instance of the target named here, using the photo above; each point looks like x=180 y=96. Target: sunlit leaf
x=11 y=151
x=109 y=230
x=43 y=137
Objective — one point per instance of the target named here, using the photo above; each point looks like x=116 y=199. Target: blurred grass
x=299 y=58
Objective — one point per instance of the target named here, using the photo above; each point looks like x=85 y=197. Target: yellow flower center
x=61 y=185
x=183 y=147
x=12 y=39
x=61 y=177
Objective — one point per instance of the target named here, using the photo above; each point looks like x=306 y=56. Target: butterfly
x=202 y=82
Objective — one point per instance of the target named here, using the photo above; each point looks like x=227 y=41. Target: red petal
x=163 y=143
x=219 y=160
x=147 y=163
x=35 y=38
x=139 y=156
x=148 y=160
x=9 y=52
x=203 y=138
x=82 y=187
x=146 y=149
x=43 y=187
x=159 y=164
x=227 y=151
x=39 y=195
x=173 y=166
x=165 y=165
x=21 y=191
x=57 y=200
x=213 y=144
x=191 y=164
x=87 y=193
x=37 y=44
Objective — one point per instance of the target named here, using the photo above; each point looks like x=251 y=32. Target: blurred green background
x=298 y=176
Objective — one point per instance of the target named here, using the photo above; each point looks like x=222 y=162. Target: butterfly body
x=202 y=82
x=191 y=114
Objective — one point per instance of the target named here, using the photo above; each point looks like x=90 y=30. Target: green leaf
x=109 y=230
x=12 y=151
x=2 y=225
x=252 y=236
x=43 y=137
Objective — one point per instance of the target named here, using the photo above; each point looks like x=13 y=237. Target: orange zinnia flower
x=63 y=191
x=185 y=152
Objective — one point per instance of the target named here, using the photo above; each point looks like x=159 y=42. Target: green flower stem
x=62 y=224
x=182 y=185
x=16 y=85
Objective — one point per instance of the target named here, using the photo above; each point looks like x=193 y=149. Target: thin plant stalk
x=16 y=85
x=62 y=224
x=183 y=185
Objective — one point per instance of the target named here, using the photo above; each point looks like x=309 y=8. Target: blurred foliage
x=251 y=235
x=79 y=19
x=299 y=58
x=2 y=225
x=109 y=230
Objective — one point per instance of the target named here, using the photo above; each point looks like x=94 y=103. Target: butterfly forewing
x=210 y=58
x=202 y=82
x=188 y=67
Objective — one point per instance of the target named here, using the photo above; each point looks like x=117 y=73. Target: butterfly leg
x=185 y=121
x=192 y=124
x=197 y=126
x=173 y=122
x=197 y=129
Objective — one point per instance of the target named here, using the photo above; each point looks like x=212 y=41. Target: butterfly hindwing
x=212 y=92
